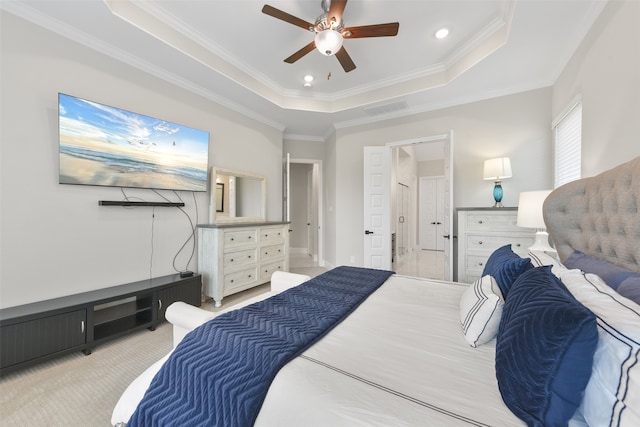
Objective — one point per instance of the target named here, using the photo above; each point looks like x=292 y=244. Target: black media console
x=35 y=332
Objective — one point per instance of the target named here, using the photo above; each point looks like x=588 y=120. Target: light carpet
x=79 y=390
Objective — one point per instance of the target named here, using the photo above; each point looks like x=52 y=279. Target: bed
x=543 y=340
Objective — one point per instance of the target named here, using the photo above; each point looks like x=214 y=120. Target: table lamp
x=530 y=216
x=496 y=170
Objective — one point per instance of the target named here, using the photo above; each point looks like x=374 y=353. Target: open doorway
x=305 y=214
x=418 y=214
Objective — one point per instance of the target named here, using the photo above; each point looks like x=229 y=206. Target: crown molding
x=166 y=28
x=26 y=12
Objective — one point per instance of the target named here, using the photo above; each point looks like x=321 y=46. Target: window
x=568 y=145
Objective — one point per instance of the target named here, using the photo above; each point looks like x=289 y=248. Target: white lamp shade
x=530 y=209
x=328 y=42
x=497 y=169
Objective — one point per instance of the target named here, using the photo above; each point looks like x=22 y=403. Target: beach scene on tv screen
x=103 y=145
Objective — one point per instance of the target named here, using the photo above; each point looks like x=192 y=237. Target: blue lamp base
x=497 y=195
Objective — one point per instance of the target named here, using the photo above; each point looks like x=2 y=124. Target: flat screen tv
x=103 y=145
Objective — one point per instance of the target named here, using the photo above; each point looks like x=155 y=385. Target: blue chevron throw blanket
x=220 y=373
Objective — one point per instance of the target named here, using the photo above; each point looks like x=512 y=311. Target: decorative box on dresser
x=233 y=257
x=483 y=230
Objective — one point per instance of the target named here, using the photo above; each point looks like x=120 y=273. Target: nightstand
x=483 y=230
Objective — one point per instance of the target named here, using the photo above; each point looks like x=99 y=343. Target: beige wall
x=517 y=126
x=605 y=71
x=60 y=232
x=55 y=239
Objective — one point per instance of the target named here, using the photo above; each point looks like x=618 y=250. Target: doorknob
x=368 y=232
x=447 y=236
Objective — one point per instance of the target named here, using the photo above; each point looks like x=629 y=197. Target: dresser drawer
x=239 y=279
x=487 y=221
x=271 y=252
x=237 y=238
x=472 y=277
x=266 y=270
x=491 y=242
x=240 y=258
x=476 y=263
x=271 y=235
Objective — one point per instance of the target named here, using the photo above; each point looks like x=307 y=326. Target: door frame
x=449 y=246
x=317 y=168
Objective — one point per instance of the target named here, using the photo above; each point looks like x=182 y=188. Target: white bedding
x=400 y=359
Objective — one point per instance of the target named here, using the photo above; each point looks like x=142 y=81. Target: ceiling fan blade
x=380 y=30
x=284 y=16
x=336 y=9
x=345 y=60
x=302 y=52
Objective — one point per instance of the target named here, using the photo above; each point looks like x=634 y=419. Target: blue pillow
x=630 y=288
x=544 y=350
x=505 y=266
x=610 y=273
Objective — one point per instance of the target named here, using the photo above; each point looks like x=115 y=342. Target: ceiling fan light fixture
x=328 y=42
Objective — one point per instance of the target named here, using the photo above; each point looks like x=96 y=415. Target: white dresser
x=237 y=256
x=483 y=230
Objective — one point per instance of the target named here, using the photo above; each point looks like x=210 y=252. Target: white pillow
x=480 y=310
x=542 y=258
x=612 y=396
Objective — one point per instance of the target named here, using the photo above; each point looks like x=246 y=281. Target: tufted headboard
x=598 y=216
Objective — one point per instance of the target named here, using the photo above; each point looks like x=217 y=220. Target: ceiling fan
x=330 y=32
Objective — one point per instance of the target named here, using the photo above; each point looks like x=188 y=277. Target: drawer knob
x=518 y=245
x=266 y=253
x=480 y=242
x=249 y=276
x=231 y=280
x=480 y=222
x=232 y=239
x=249 y=237
x=231 y=259
x=249 y=256
x=480 y=264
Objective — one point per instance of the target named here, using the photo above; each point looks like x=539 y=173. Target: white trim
x=572 y=104
x=318 y=163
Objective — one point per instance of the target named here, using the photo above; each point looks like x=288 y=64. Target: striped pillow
x=480 y=311
x=612 y=396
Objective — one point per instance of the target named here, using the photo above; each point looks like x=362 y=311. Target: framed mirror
x=219 y=197
x=237 y=196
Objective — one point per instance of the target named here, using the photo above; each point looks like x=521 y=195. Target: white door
x=428 y=213
x=376 y=206
x=286 y=170
x=311 y=241
x=447 y=232
x=440 y=216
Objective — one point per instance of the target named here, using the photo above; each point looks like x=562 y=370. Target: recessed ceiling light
x=307 y=84
x=442 y=33
x=308 y=78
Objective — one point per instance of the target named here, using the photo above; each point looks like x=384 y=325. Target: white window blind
x=568 y=146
